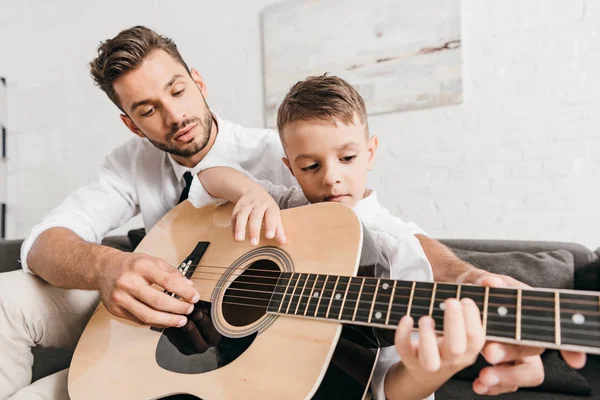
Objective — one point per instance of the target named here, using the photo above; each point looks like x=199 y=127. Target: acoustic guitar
x=275 y=312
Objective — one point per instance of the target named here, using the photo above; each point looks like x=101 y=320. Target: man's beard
x=193 y=148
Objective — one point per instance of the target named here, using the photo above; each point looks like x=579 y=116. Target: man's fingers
x=575 y=360
x=148 y=316
x=496 y=280
x=507 y=378
x=169 y=278
x=496 y=353
x=159 y=300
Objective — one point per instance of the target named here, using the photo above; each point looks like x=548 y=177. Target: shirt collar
x=367 y=207
x=179 y=169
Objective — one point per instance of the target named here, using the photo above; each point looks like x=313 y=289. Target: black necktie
x=188 y=182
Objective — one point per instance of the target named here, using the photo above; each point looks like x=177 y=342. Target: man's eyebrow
x=146 y=101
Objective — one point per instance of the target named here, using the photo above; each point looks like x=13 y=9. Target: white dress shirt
x=396 y=239
x=139 y=178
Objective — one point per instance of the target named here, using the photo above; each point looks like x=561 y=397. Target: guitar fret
x=332 y=296
x=579 y=319
x=316 y=295
x=373 y=302
x=557 y=318
x=458 y=292
x=320 y=297
x=358 y=299
x=501 y=319
x=366 y=299
x=295 y=298
x=400 y=301
x=382 y=301
x=344 y=300
x=485 y=308
x=351 y=297
x=432 y=299
x=421 y=300
x=286 y=299
x=443 y=291
x=410 y=300
x=518 y=330
x=310 y=295
x=387 y=320
x=278 y=293
x=338 y=298
x=537 y=316
x=326 y=297
x=301 y=294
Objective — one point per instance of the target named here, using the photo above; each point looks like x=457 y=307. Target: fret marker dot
x=316 y=294
x=502 y=311
x=338 y=296
x=385 y=286
x=578 y=319
x=442 y=306
x=378 y=315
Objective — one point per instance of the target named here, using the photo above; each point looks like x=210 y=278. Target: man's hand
x=512 y=366
x=250 y=211
x=126 y=290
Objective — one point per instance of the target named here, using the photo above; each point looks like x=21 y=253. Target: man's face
x=167 y=106
x=330 y=162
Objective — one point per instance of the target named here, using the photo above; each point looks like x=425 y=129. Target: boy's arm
x=252 y=203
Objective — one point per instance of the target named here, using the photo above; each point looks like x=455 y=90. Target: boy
x=322 y=124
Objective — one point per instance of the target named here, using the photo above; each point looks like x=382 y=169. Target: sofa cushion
x=549 y=269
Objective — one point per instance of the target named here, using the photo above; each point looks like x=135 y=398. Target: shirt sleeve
x=407 y=261
x=97 y=208
x=285 y=197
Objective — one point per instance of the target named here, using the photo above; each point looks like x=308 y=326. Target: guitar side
x=116 y=359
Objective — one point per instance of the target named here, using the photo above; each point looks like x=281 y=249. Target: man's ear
x=287 y=164
x=131 y=125
x=372 y=145
x=196 y=77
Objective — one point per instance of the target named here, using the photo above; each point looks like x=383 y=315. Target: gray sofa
x=551 y=264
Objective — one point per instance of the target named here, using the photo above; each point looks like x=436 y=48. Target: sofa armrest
x=581 y=254
x=10 y=251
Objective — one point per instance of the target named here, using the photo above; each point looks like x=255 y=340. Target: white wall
x=519 y=159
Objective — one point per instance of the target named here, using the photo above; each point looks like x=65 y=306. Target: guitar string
x=420 y=290
x=524 y=292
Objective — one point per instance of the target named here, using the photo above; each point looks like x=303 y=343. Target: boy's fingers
x=241 y=220
x=254 y=225
x=429 y=353
x=455 y=338
x=474 y=329
x=402 y=339
x=271 y=225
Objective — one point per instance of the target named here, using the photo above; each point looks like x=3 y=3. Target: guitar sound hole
x=247 y=298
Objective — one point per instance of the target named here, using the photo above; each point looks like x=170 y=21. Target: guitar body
x=280 y=357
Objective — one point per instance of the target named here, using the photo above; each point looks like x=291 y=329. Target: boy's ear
x=197 y=78
x=131 y=125
x=372 y=145
x=287 y=164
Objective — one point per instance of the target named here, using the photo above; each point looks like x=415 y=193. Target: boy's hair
x=126 y=52
x=327 y=98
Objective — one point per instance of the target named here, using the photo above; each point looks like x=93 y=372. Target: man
x=162 y=102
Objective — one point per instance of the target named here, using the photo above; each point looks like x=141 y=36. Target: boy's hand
x=251 y=210
x=458 y=348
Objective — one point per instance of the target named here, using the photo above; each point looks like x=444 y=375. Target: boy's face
x=330 y=162
x=167 y=106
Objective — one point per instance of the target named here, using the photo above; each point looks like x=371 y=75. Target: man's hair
x=126 y=52
x=327 y=98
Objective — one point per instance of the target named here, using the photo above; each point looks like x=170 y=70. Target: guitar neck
x=558 y=319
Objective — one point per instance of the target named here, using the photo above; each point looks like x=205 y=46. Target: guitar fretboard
x=553 y=317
